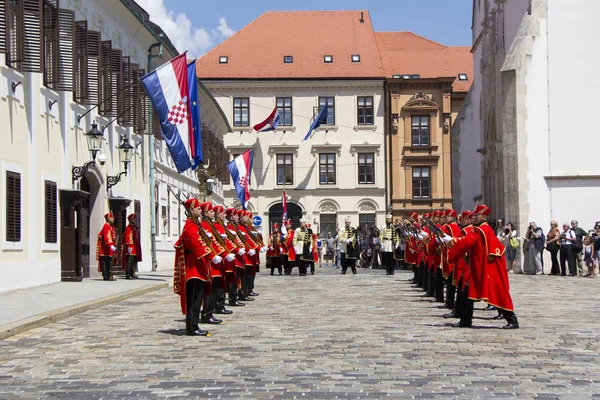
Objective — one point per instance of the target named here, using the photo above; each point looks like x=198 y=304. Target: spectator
x=329 y=249
x=320 y=249
x=588 y=255
x=567 y=237
x=536 y=241
x=596 y=237
x=578 y=255
x=500 y=229
x=376 y=245
x=338 y=250
x=510 y=241
x=553 y=246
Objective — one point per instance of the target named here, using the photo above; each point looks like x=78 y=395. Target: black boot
x=513 y=322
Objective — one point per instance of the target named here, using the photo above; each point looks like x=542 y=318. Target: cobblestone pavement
x=325 y=336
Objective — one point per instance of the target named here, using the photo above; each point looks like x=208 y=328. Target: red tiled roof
x=407 y=53
x=257 y=50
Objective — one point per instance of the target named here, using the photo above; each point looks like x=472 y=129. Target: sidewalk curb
x=49 y=317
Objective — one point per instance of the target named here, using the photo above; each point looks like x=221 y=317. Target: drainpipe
x=151 y=163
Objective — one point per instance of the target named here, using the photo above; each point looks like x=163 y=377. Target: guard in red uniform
x=233 y=248
x=274 y=251
x=488 y=274
x=411 y=252
x=451 y=228
x=131 y=249
x=239 y=262
x=252 y=258
x=192 y=277
x=288 y=248
x=106 y=247
x=461 y=269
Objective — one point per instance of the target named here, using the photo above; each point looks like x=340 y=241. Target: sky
x=199 y=25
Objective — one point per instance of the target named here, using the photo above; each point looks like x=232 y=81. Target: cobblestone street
x=325 y=336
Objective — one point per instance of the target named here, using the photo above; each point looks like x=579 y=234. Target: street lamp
x=125 y=154
x=94 y=138
x=210 y=185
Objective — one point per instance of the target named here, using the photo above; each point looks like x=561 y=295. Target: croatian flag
x=168 y=90
x=269 y=124
x=240 y=169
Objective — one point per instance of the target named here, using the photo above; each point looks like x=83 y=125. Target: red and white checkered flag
x=178 y=114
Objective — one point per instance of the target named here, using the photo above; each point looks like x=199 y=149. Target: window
x=420 y=130
x=421 y=183
x=355 y=57
x=288 y=59
x=24 y=35
x=396 y=76
x=328 y=59
x=415 y=76
x=366 y=168
x=365 y=221
x=284 y=106
x=365 y=110
x=328 y=223
x=327 y=169
x=330 y=101
x=51 y=212
x=168 y=211
x=59 y=46
x=241 y=111
x=285 y=169
x=13 y=206
x=223 y=59
x=462 y=77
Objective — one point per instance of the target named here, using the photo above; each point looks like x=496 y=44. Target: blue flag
x=321 y=119
x=196 y=144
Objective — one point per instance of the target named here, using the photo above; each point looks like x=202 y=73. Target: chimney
x=362 y=19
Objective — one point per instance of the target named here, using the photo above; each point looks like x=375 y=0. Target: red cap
x=437 y=213
x=482 y=209
x=414 y=215
x=230 y=211
x=206 y=206
x=466 y=214
x=427 y=215
x=275 y=226
x=451 y=213
x=191 y=203
x=308 y=225
x=248 y=214
x=219 y=209
x=288 y=222
x=131 y=216
x=109 y=215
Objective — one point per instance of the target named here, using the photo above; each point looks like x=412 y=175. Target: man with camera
x=536 y=240
x=578 y=249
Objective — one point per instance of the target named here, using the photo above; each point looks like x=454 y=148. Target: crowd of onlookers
x=573 y=250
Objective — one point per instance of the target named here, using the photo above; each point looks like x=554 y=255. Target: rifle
x=228 y=233
x=216 y=234
x=194 y=219
x=434 y=230
x=250 y=229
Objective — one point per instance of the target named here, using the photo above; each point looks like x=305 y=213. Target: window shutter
x=108 y=100
x=129 y=78
x=3 y=26
x=13 y=206
x=14 y=33
x=116 y=66
x=81 y=92
x=66 y=51
x=51 y=232
x=156 y=129
x=94 y=69
x=140 y=105
x=137 y=209
x=50 y=42
x=31 y=39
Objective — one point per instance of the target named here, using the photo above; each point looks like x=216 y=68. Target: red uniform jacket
x=454 y=231
x=216 y=270
x=289 y=245
x=232 y=248
x=275 y=243
x=130 y=245
x=107 y=238
x=488 y=274
x=239 y=260
x=250 y=245
x=192 y=259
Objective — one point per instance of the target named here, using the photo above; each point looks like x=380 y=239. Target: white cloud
x=181 y=31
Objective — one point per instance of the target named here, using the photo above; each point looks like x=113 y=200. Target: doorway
x=276 y=214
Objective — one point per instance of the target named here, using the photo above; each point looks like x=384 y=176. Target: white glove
x=208 y=234
x=425 y=234
x=113 y=248
x=129 y=250
x=223 y=235
x=232 y=232
x=243 y=233
x=230 y=257
x=251 y=253
x=241 y=252
x=271 y=248
x=446 y=238
x=421 y=237
x=216 y=260
x=281 y=249
x=263 y=249
x=348 y=240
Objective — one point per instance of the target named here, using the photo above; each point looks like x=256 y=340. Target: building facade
x=536 y=156
x=68 y=68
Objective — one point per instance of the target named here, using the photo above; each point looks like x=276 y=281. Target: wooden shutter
x=94 y=71
x=51 y=207
x=66 y=51
x=31 y=39
x=13 y=206
x=3 y=26
x=140 y=105
x=81 y=92
x=116 y=66
x=130 y=71
x=108 y=101
x=14 y=33
x=51 y=69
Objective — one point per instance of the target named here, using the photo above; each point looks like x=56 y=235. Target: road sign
x=256 y=220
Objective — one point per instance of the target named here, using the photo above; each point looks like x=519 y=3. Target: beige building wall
x=346 y=139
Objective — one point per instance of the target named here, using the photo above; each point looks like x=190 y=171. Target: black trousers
x=430 y=272
x=438 y=284
x=348 y=262
x=275 y=263
x=387 y=259
x=567 y=256
x=450 y=291
x=105 y=263
x=233 y=287
x=131 y=264
x=461 y=297
x=466 y=317
x=219 y=291
x=303 y=266
x=194 y=291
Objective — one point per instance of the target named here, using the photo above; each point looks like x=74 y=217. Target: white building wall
x=345 y=139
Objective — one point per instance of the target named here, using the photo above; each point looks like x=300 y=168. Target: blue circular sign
x=256 y=220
